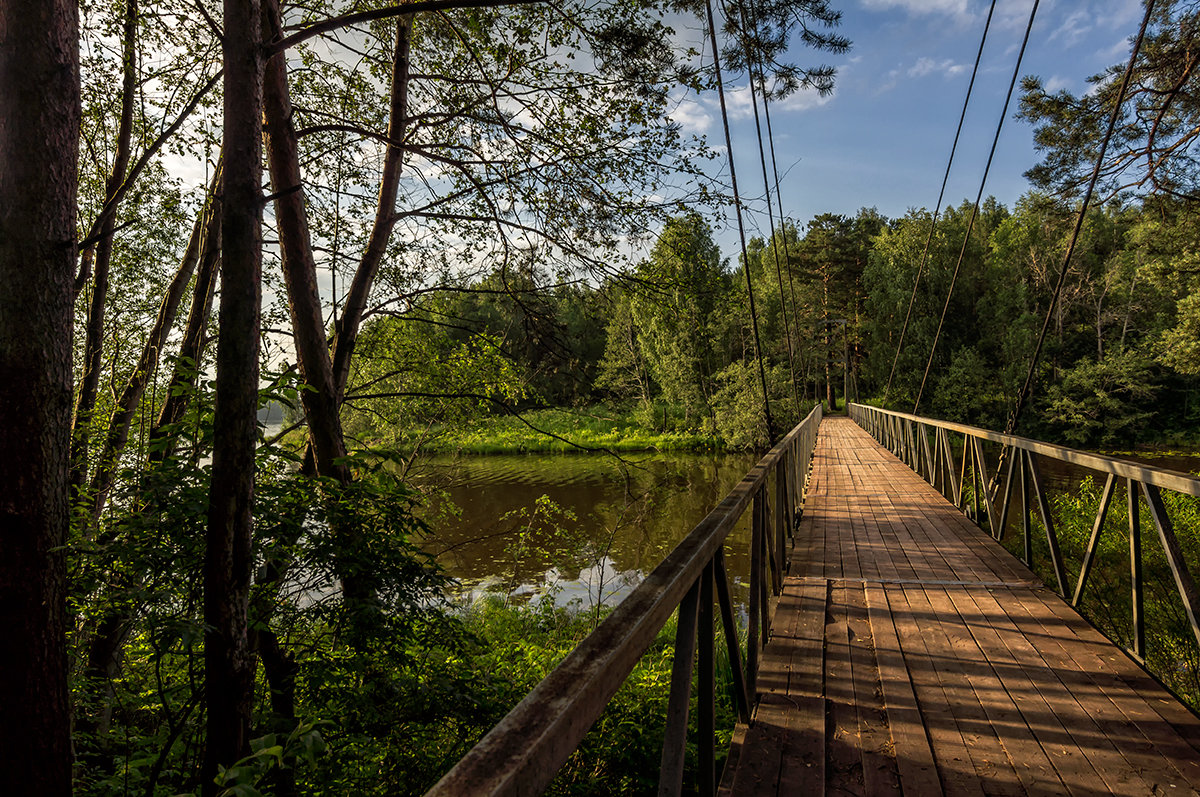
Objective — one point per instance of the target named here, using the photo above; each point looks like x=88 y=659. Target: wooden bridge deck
x=912 y=654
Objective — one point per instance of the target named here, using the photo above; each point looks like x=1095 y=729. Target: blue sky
x=883 y=137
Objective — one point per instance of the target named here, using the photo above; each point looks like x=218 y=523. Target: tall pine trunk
x=299 y=265
x=195 y=330
x=228 y=662
x=39 y=138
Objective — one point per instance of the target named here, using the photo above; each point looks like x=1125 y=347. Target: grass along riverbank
x=559 y=430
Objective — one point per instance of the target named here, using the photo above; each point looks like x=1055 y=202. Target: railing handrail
x=525 y=750
x=1147 y=474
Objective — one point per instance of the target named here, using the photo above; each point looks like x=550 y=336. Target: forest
x=465 y=226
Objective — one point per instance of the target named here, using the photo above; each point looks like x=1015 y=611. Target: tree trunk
x=1128 y=312
x=846 y=365
x=299 y=266
x=385 y=211
x=228 y=663
x=39 y=138
x=191 y=348
x=103 y=660
x=93 y=358
x=135 y=387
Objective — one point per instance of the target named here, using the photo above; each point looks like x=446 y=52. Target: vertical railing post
x=985 y=484
x=1014 y=465
x=1185 y=583
x=768 y=565
x=782 y=524
x=730 y=632
x=969 y=442
x=706 y=706
x=769 y=530
x=755 y=609
x=1135 y=568
x=1056 y=561
x=670 y=773
x=1085 y=567
x=1025 y=510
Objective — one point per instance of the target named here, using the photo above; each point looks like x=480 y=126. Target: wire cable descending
x=938 y=208
x=787 y=255
x=975 y=209
x=737 y=202
x=1023 y=396
x=747 y=27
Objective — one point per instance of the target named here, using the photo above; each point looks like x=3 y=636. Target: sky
x=882 y=139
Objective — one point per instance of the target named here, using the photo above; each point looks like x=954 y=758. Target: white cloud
x=1057 y=83
x=737 y=100
x=928 y=66
x=956 y=7
x=691 y=116
x=1073 y=28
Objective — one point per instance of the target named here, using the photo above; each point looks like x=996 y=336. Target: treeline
x=1120 y=364
x=672 y=339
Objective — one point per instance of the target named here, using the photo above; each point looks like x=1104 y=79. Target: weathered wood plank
x=880 y=774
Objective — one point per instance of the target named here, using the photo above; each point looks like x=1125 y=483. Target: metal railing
x=525 y=750
x=908 y=437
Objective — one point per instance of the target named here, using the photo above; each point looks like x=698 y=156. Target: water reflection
x=580 y=527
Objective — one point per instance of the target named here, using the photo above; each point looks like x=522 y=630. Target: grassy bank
x=557 y=430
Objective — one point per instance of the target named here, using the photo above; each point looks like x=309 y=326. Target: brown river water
x=582 y=527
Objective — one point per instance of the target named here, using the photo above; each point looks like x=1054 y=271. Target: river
x=579 y=527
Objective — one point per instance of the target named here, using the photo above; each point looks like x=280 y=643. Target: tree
x=1153 y=145
x=830 y=260
x=228 y=659
x=682 y=286
x=39 y=135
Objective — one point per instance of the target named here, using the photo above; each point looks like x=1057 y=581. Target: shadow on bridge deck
x=912 y=654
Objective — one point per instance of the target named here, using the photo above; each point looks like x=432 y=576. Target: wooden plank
x=880 y=774
x=789 y=722
x=1032 y=767
x=957 y=670
x=843 y=746
x=953 y=760
x=968 y=693
x=1153 y=748
x=914 y=757
x=1168 y=723
x=1084 y=756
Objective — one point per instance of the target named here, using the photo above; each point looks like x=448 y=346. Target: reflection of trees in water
x=626 y=518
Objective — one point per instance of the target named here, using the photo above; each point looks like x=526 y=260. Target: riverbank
x=554 y=430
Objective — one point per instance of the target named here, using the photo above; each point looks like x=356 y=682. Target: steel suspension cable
x=1023 y=396
x=787 y=255
x=762 y=157
x=975 y=209
x=737 y=203
x=938 y=208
